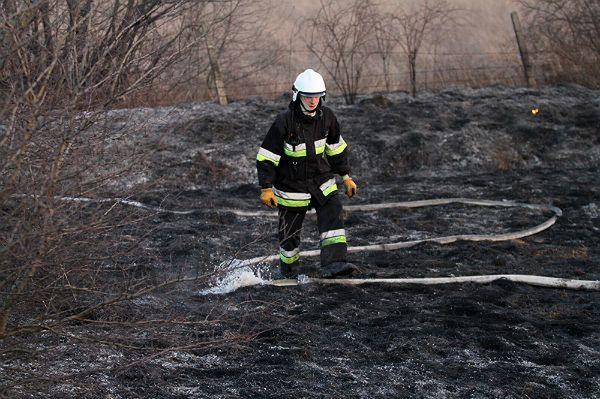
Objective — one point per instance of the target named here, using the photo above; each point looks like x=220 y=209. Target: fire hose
x=542 y=281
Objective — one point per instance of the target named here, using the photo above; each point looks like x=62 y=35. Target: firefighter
x=297 y=163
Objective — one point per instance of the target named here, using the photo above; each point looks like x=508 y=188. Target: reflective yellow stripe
x=266 y=155
x=292 y=200
x=333 y=237
x=295 y=154
x=289 y=256
x=320 y=146
x=291 y=203
x=260 y=157
x=335 y=149
x=333 y=240
x=287 y=260
x=294 y=151
x=333 y=233
x=330 y=189
x=290 y=195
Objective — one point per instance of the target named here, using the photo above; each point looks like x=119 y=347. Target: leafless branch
x=339 y=37
x=565 y=36
x=413 y=27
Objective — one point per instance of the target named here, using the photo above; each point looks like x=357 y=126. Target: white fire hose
x=483 y=279
x=542 y=281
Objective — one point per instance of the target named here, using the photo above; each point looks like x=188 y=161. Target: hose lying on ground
x=440 y=240
x=540 y=281
x=526 y=279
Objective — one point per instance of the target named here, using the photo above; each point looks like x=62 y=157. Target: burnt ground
x=498 y=340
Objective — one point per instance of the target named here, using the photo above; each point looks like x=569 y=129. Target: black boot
x=338 y=269
x=289 y=271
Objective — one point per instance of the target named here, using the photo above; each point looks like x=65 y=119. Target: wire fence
x=509 y=75
x=435 y=70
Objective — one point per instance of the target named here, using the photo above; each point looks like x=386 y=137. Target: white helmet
x=308 y=83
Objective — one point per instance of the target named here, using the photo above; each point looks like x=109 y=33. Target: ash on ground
x=498 y=340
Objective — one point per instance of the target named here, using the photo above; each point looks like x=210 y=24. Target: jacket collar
x=294 y=106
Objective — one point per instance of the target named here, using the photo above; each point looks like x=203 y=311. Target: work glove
x=268 y=197
x=350 y=186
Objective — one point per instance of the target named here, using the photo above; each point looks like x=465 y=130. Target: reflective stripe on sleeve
x=266 y=155
x=328 y=187
x=336 y=148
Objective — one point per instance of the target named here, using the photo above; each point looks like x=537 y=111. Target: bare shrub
x=60 y=58
x=63 y=260
x=339 y=36
x=385 y=44
x=564 y=35
x=415 y=25
x=239 y=33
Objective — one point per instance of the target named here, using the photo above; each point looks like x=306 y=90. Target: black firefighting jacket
x=300 y=155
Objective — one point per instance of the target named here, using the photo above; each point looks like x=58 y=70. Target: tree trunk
x=527 y=68
x=216 y=71
x=412 y=70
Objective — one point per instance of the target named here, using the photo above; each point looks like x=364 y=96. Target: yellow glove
x=350 y=186
x=268 y=197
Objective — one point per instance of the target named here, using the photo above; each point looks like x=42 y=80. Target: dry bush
x=564 y=35
x=459 y=42
x=339 y=37
x=413 y=26
x=66 y=263
x=71 y=269
x=62 y=64
x=239 y=31
x=350 y=41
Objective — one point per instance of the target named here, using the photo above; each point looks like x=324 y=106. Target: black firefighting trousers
x=331 y=231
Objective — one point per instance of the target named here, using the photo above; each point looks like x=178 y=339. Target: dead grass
x=580 y=253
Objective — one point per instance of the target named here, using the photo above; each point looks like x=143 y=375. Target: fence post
x=527 y=68
x=214 y=66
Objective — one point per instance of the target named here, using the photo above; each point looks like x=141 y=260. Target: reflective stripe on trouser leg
x=331 y=230
x=289 y=257
x=290 y=226
x=333 y=237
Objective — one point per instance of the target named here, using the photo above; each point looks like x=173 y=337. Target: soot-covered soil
x=498 y=340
